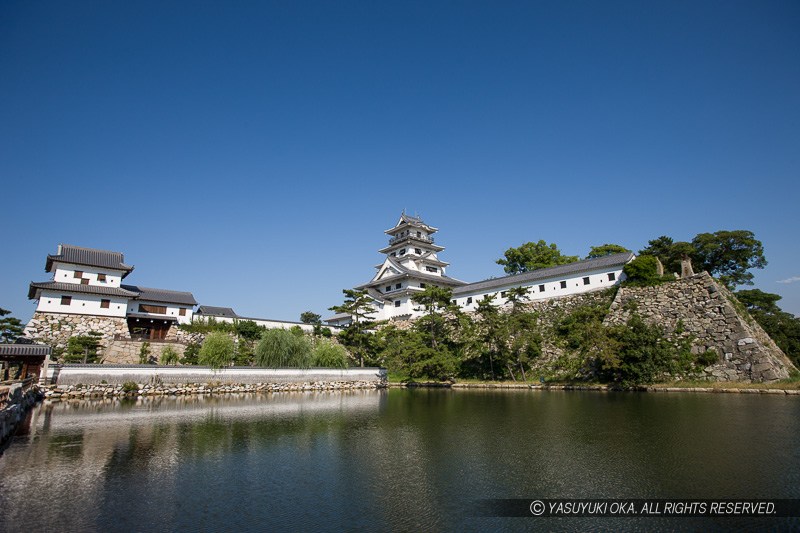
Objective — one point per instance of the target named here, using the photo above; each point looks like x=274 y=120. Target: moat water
x=396 y=460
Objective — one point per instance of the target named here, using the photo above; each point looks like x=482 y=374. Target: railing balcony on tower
x=423 y=238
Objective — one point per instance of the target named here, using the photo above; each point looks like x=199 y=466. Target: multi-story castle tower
x=411 y=264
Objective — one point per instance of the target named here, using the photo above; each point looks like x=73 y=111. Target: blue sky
x=254 y=152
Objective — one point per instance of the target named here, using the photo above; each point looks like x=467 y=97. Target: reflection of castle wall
x=87 y=451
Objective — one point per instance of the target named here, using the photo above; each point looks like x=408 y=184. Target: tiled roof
x=88 y=257
x=337 y=316
x=516 y=280
x=150 y=316
x=24 y=350
x=406 y=272
x=162 y=295
x=37 y=287
x=210 y=310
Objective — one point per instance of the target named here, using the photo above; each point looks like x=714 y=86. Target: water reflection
x=402 y=459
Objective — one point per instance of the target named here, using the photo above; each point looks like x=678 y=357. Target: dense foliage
x=533 y=256
x=10 y=327
x=606 y=249
x=217 y=350
x=82 y=348
x=644 y=271
x=726 y=255
x=280 y=348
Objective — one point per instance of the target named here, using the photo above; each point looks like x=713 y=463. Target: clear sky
x=254 y=152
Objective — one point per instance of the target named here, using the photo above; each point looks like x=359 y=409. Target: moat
x=392 y=459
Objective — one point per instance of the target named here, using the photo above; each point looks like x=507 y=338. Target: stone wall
x=14 y=409
x=123 y=352
x=55 y=329
x=709 y=313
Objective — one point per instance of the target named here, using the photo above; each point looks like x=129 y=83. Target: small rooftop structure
x=212 y=311
x=77 y=255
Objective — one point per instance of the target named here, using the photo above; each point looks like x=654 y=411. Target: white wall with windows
x=545 y=288
x=159 y=309
x=68 y=273
x=82 y=304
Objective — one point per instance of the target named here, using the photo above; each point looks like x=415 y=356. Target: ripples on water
x=391 y=460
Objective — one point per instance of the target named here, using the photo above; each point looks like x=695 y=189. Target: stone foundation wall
x=121 y=352
x=709 y=313
x=55 y=329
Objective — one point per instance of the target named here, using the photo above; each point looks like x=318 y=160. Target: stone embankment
x=15 y=400
x=706 y=311
x=82 y=392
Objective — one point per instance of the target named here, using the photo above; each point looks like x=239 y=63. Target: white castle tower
x=410 y=266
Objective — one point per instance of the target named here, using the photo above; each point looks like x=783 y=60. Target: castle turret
x=411 y=264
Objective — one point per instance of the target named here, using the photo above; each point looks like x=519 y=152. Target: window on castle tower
x=431 y=269
x=66 y=300
x=388 y=288
x=397 y=303
x=417 y=251
x=105 y=304
x=469 y=300
x=586 y=281
x=422 y=285
x=78 y=274
x=398 y=286
x=101 y=277
x=611 y=276
x=541 y=288
x=419 y=234
x=403 y=251
x=563 y=284
x=84 y=281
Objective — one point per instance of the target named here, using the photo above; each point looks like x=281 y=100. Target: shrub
x=190 y=354
x=643 y=355
x=329 y=355
x=144 y=353
x=643 y=271
x=82 y=348
x=217 y=350
x=169 y=356
x=707 y=358
x=129 y=387
x=281 y=348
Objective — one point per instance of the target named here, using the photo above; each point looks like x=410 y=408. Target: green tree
x=670 y=253
x=280 y=348
x=329 y=355
x=642 y=271
x=248 y=329
x=435 y=301
x=144 y=353
x=533 y=256
x=10 y=327
x=217 y=350
x=169 y=356
x=310 y=317
x=729 y=255
x=82 y=348
x=356 y=337
x=191 y=354
x=606 y=249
